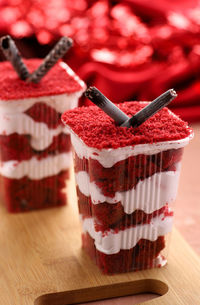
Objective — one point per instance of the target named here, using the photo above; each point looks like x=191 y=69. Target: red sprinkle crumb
x=98 y=130
x=55 y=82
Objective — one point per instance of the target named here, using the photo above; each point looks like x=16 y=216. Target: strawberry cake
x=126 y=180
x=34 y=145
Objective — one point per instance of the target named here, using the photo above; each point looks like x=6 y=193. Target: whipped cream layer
x=21 y=123
x=148 y=195
x=34 y=168
x=15 y=121
x=59 y=102
x=110 y=242
x=108 y=157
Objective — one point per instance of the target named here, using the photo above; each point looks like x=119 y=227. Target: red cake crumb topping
x=56 y=81
x=98 y=130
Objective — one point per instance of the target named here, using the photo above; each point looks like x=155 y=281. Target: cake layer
x=24 y=194
x=21 y=123
x=144 y=255
x=43 y=113
x=148 y=195
x=126 y=174
x=108 y=216
x=110 y=242
x=34 y=168
x=17 y=147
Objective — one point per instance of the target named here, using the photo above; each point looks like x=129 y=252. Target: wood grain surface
x=41 y=262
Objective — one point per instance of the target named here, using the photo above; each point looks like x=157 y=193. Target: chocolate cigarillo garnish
x=106 y=105
x=12 y=54
x=63 y=45
x=156 y=105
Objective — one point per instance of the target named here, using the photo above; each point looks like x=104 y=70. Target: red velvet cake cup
x=35 y=148
x=126 y=180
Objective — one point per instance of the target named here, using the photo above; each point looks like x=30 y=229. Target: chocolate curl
x=155 y=106
x=63 y=45
x=106 y=105
x=12 y=54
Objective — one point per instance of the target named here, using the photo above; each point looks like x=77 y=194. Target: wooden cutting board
x=42 y=263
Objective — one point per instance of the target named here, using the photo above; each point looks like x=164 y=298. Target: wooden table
x=41 y=255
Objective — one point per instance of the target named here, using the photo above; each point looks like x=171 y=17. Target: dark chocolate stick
x=106 y=105
x=63 y=45
x=12 y=54
x=156 y=105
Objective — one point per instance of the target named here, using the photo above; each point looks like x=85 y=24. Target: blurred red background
x=130 y=50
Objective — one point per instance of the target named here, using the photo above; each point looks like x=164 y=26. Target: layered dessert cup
x=126 y=180
x=34 y=146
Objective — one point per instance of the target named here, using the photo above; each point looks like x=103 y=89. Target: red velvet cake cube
x=35 y=148
x=126 y=181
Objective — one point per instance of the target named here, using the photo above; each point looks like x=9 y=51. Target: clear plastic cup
x=35 y=149
x=125 y=199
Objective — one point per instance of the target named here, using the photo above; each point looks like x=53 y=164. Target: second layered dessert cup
x=126 y=182
x=35 y=150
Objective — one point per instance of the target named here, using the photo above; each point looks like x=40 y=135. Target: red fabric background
x=130 y=50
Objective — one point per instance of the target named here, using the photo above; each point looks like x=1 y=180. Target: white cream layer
x=13 y=119
x=108 y=157
x=149 y=195
x=21 y=123
x=34 y=168
x=112 y=242
x=59 y=102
